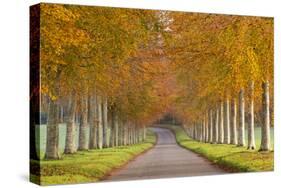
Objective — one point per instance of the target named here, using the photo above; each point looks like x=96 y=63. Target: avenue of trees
x=99 y=67
x=225 y=67
x=116 y=71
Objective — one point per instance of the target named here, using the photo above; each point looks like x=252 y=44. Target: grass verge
x=87 y=166
x=229 y=157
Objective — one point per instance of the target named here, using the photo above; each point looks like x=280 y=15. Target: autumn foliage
x=137 y=65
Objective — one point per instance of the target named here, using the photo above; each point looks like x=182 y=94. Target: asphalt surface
x=165 y=159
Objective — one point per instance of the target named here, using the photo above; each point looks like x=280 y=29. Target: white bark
x=265 y=136
x=201 y=125
x=52 y=147
x=83 y=124
x=241 y=132
x=210 y=126
x=100 y=126
x=216 y=127
x=226 y=123
x=251 y=125
x=106 y=130
x=204 y=130
x=70 y=130
x=233 y=138
x=116 y=129
x=207 y=128
x=93 y=122
x=221 y=124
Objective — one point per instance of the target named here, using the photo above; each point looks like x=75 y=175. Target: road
x=165 y=159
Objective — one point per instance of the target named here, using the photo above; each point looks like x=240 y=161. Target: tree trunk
x=125 y=135
x=93 y=122
x=135 y=134
x=121 y=133
x=112 y=130
x=115 y=128
x=193 y=132
x=106 y=132
x=129 y=134
x=196 y=131
x=70 y=130
x=241 y=133
x=203 y=130
x=61 y=116
x=144 y=133
x=52 y=149
x=207 y=127
x=100 y=126
x=233 y=138
x=226 y=123
x=251 y=125
x=210 y=126
x=83 y=124
x=138 y=133
x=221 y=124
x=265 y=131
x=216 y=126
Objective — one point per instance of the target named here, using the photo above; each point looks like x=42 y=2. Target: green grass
x=87 y=166
x=230 y=157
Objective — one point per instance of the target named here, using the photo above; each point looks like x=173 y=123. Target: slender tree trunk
x=193 y=132
x=115 y=128
x=121 y=133
x=112 y=131
x=233 y=138
x=265 y=131
x=100 y=126
x=135 y=134
x=221 y=124
x=130 y=134
x=251 y=125
x=83 y=125
x=70 y=130
x=210 y=126
x=144 y=133
x=226 y=123
x=125 y=138
x=52 y=150
x=196 y=131
x=207 y=127
x=216 y=126
x=241 y=132
x=105 y=123
x=95 y=132
x=203 y=130
x=93 y=123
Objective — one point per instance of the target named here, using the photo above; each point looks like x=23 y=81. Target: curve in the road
x=166 y=159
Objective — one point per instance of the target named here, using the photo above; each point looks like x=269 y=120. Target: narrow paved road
x=166 y=159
